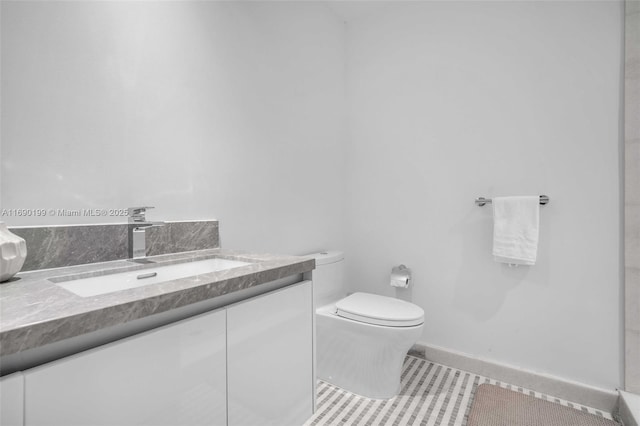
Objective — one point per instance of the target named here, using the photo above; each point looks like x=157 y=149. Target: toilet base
x=361 y=358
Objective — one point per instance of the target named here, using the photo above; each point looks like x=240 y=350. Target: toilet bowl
x=361 y=339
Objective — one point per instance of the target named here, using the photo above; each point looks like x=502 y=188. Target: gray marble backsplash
x=176 y=237
x=58 y=246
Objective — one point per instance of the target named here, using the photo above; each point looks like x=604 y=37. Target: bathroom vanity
x=226 y=347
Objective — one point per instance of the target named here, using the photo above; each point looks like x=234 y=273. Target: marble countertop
x=34 y=311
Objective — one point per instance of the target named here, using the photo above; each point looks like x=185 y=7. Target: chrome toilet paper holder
x=400 y=276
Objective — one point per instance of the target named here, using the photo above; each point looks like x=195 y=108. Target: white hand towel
x=515 y=229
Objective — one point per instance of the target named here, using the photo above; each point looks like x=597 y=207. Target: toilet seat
x=379 y=310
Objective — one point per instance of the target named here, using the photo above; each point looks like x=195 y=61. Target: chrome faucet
x=138 y=224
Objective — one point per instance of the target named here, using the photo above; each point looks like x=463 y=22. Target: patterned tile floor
x=431 y=395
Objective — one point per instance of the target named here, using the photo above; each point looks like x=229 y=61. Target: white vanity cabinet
x=11 y=400
x=248 y=364
x=270 y=358
x=172 y=375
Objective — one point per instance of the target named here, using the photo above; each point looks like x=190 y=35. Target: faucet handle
x=137 y=214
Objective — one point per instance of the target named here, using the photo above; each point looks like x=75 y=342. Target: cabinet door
x=173 y=375
x=11 y=400
x=270 y=358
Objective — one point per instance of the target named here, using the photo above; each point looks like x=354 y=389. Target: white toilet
x=361 y=339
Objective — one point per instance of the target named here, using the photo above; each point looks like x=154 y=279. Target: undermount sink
x=94 y=286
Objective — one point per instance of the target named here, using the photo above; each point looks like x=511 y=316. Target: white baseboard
x=629 y=411
x=601 y=399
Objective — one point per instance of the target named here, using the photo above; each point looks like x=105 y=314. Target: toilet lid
x=379 y=310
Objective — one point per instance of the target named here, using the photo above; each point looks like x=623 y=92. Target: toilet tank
x=328 y=277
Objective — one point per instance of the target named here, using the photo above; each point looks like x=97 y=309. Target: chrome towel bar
x=481 y=201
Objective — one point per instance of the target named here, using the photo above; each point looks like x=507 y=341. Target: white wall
x=235 y=111
x=216 y=110
x=452 y=100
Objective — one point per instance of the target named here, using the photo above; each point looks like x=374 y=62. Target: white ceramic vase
x=13 y=252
